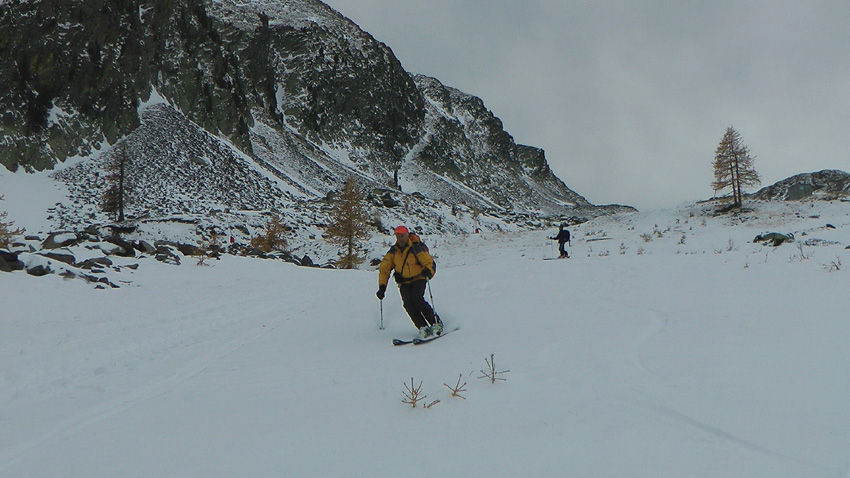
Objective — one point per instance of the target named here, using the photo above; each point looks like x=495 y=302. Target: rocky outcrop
x=102 y=260
x=824 y=185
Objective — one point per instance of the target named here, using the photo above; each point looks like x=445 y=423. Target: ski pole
x=433 y=307
x=381 y=302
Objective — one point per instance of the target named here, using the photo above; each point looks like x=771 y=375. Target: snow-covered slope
x=668 y=345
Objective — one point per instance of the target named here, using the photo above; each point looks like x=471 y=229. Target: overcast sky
x=630 y=99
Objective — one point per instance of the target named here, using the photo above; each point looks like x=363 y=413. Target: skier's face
x=401 y=239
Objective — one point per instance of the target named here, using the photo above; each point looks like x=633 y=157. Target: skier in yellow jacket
x=411 y=266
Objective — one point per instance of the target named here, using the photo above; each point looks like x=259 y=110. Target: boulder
x=98 y=262
x=185 y=249
x=9 y=262
x=39 y=270
x=111 y=249
x=57 y=240
x=127 y=248
x=165 y=254
x=145 y=247
x=388 y=201
x=774 y=238
x=66 y=258
x=190 y=250
x=68 y=274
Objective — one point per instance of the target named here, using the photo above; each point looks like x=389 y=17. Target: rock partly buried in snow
x=39 y=270
x=111 y=249
x=9 y=262
x=146 y=247
x=125 y=248
x=58 y=240
x=774 y=238
x=96 y=262
x=56 y=256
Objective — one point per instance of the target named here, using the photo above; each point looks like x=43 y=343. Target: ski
x=418 y=341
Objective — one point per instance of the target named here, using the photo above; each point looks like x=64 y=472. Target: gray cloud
x=630 y=99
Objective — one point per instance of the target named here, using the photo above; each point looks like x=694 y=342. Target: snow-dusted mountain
x=246 y=107
x=828 y=184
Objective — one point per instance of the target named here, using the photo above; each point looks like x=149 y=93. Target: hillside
x=668 y=345
x=245 y=108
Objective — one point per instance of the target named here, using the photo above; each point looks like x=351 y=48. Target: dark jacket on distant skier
x=563 y=236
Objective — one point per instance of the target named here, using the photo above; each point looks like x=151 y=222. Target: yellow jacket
x=410 y=263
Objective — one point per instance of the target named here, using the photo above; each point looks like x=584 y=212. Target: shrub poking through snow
x=275 y=237
x=7 y=229
x=491 y=372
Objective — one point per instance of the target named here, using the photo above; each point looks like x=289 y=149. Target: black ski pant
x=561 y=248
x=413 y=298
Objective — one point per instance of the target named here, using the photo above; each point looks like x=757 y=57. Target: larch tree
x=733 y=166
x=350 y=225
x=115 y=197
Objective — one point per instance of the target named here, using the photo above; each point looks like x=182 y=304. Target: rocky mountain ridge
x=252 y=106
x=829 y=184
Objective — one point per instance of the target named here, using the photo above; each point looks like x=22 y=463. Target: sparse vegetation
x=835 y=265
x=349 y=226
x=413 y=395
x=491 y=372
x=458 y=388
x=7 y=229
x=803 y=255
x=274 y=238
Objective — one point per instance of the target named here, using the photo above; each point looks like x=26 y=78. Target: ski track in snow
x=725 y=435
x=72 y=426
x=658 y=320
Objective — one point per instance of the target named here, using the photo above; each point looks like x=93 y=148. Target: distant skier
x=563 y=237
x=413 y=266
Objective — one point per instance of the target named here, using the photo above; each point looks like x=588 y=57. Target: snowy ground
x=686 y=352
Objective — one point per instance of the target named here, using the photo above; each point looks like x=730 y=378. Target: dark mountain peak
x=251 y=106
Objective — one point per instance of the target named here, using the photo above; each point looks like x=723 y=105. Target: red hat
x=401 y=230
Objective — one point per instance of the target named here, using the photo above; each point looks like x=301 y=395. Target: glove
x=427 y=273
x=382 y=291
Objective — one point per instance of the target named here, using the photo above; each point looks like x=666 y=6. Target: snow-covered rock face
x=826 y=185
x=287 y=101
